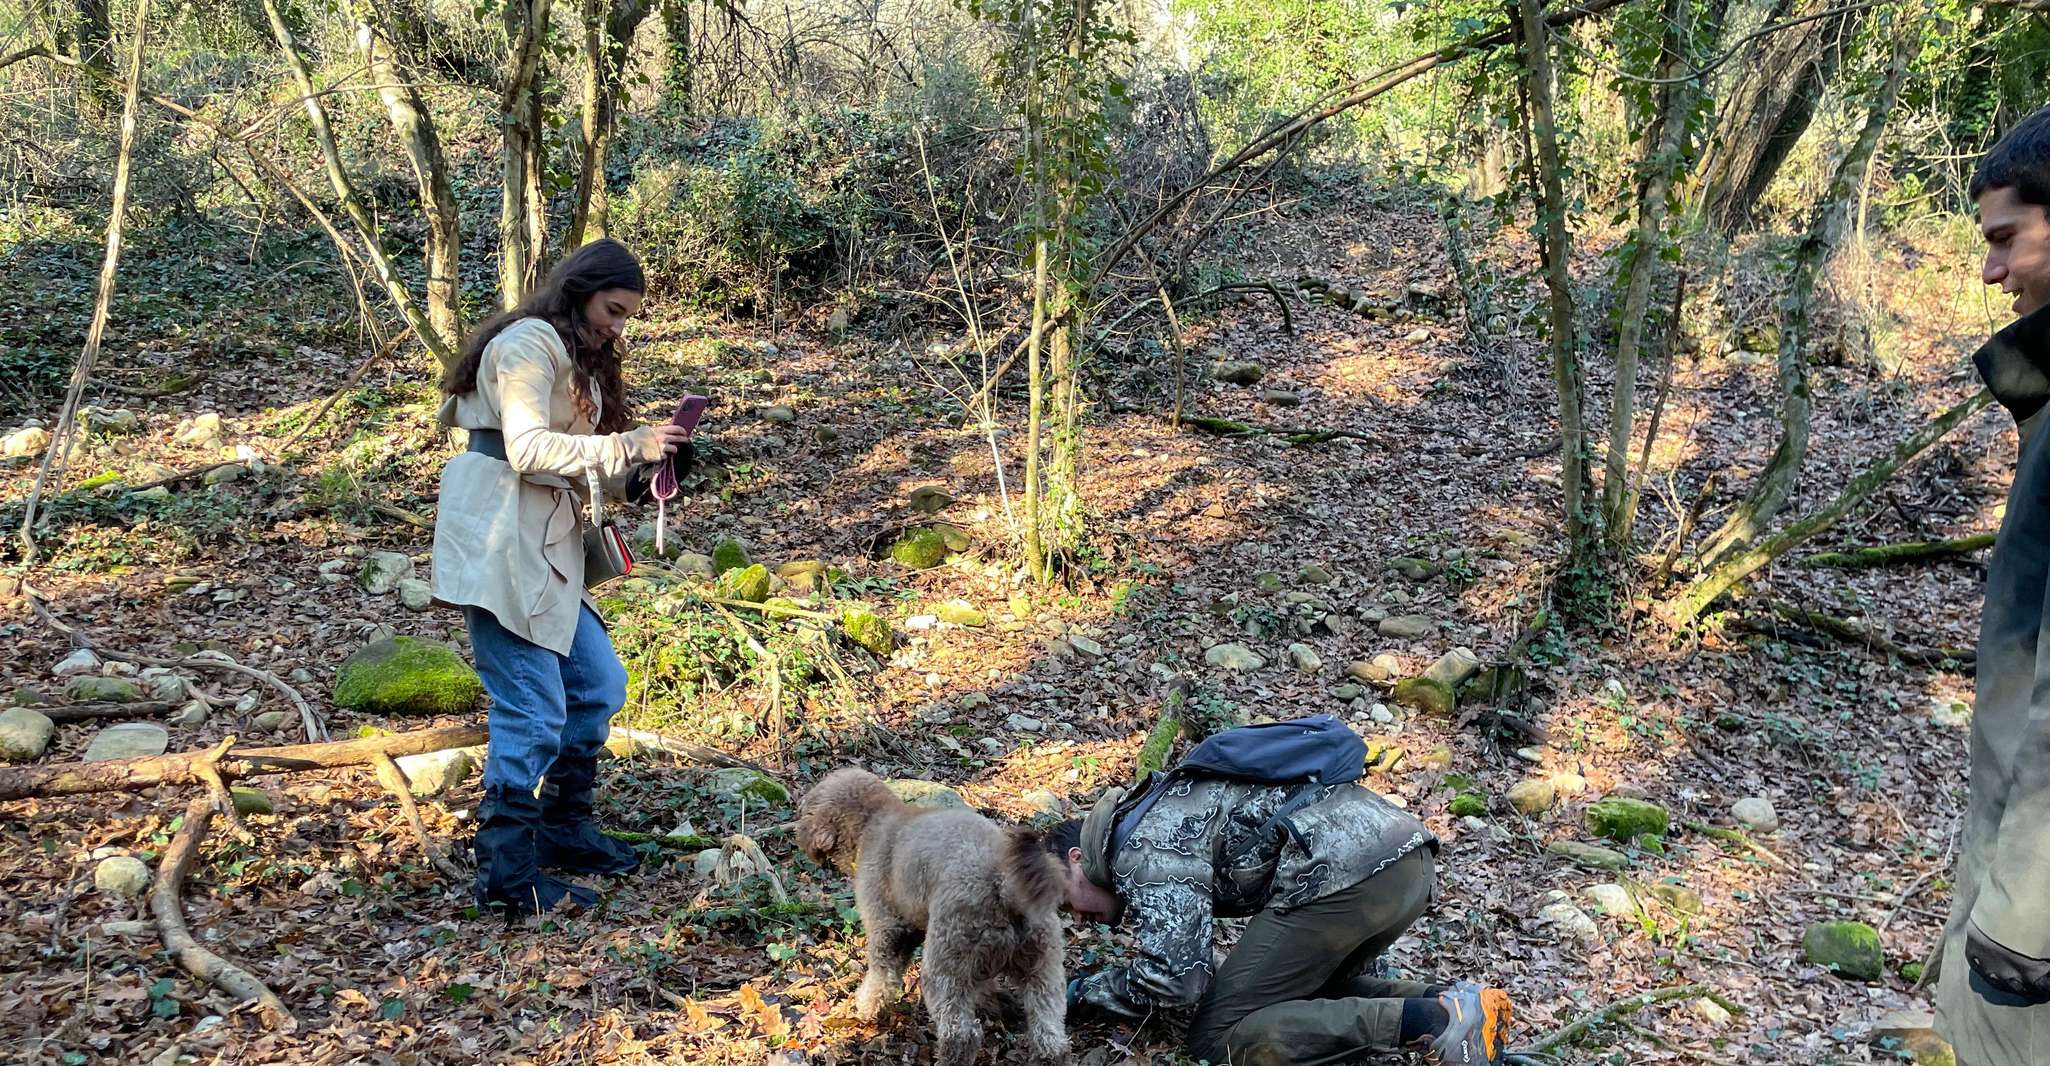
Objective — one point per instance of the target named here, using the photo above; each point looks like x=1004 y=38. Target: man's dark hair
x=2020 y=160
x=1062 y=836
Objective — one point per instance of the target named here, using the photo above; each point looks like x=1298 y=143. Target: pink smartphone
x=688 y=411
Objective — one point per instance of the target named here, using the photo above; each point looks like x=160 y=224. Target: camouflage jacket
x=1174 y=875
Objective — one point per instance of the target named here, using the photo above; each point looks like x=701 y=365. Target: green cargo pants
x=1292 y=993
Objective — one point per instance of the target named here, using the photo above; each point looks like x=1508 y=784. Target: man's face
x=1088 y=901
x=2017 y=247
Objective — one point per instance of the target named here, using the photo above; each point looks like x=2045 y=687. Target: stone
x=1438 y=758
x=1849 y=949
x=251 y=800
x=24 y=734
x=749 y=583
x=1570 y=921
x=202 y=430
x=1469 y=805
x=1233 y=657
x=415 y=594
x=270 y=721
x=1592 y=856
x=381 y=572
x=801 y=575
x=693 y=564
x=1612 y=899
x=1413 y=569
x=25 y=443
x=224 y=474
x=779 y=414
x=1044 y=804
x=1023 y=723
x=1676 y=896
x=1950 y=714
x=82 y=661
x=1533 y=796
x=1233 y=372
x=1424 y=695
x=1347 y=693
x=927 y=794
x=1085 y=645
x=1281 y=398
x=1406 y=627
x=733 y=784
x=1913 y=1032
x=1755 y=813
x=1418 y=336
x=919 y=549
x=1020 y=606
x=728 y=555
x=1624 y=820
x=432 y=773
x=406 y=675
x=1454 y=668
x=1313 y=574
x=960 y=613
x=865 y=629
x=117 y=420
x=121 y=875
x=1305 y=658
x=1711 y=1012
x=128 y=740
x=193 y=714
x=88 y=689
x=166 y=686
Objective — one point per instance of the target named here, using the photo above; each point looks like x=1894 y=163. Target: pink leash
x=662 y=487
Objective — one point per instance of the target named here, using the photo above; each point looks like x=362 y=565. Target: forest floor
x=1862 y=757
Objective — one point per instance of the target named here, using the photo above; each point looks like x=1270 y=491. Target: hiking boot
x=1477 y=1033
x=569 y=839
x=509 y=877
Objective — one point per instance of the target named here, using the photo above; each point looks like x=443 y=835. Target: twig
x=394 y=781
x=1296 y=435
x=207 y=767
x=1622 y=1008
x=697 y=753
x=80 y=712
x=398 y=513
x=1740 y=838
x=178 y=940
x=1853 y=633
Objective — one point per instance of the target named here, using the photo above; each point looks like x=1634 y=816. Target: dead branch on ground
x=178 y=939
x=394 y=781
x=120 y=775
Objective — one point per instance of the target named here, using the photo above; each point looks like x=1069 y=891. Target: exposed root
x=178 y=940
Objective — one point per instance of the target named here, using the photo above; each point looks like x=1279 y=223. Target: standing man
x=1330 y=873
x=1993 y=993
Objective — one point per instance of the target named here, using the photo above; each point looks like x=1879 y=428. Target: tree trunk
x=1553 y=242
x=1695 y=598
x=181 y=768
x=519 y=254
x=607 y=40
x=414 y=124
x=338 y=178
x=1035 y=371
x=1825 y=233
x=676 y=81
x=110 y=262
x=1665 y=157
x=1766 y=116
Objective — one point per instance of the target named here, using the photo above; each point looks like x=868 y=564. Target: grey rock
x=165 y=685
x=737 y=783
x=1233 y=372
x=415 y=594
x=194 y=713
x=121 y=875
x=1413 y=569
x=1454 y=668
x=1044 y=804
x=117 y=420
x=203 y=430
x=435 y=772
x=1613 y=900
x=1314 y=574
x=1347 y=693
x=1533 y=796
x=1281 y=398
x=928 y=794
x=1023 y=723
x=1570 y=921
x=695 y=565
x=1949 y=714
x=1085 y=645
x=1406 y=627
x=24 y=734
x=82 y=661
x=128 y=740
x=1233 y=657
x=25 y=443
x=1592 y=856
x=1756 y=814
x=222 y=475
x=1305 y=658
x=780 y=414
x=381 y=572
x=86 y=688
x=270 y=721
x=300 y=676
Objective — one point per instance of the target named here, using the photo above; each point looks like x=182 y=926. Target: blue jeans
x=544 y=705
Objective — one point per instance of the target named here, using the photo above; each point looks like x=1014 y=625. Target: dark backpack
x=1318 y=750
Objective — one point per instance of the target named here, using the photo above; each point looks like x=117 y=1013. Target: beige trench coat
x=508 y=535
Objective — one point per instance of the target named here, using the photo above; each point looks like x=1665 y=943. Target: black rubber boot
x=570 y=839
x=509 y=877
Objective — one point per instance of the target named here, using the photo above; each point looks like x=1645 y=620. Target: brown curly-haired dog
x=984 y=900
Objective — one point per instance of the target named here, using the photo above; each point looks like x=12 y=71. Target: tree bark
x=1824 y=235
x=1696 y=597
x=345 y=192
x=120 y=775
x=519 y=254
x=1553 y=242
x=676 y=81
x=608 y=38
x=110 y=262
x=414 y=123
x=1908 y=552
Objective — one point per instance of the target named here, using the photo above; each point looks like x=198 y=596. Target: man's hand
x=2005 y=969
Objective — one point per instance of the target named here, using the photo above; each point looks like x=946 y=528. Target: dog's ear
x=815 y=835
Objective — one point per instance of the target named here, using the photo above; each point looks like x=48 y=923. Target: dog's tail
x=1031 y=875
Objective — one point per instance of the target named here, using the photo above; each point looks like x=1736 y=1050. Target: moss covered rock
x=864 y=628
x=750 y=583
x=920 y=549
x=1424 y=695
x=927 y=794
x=251 y=801
x=89 y=688
x=960 y=613
x=728 y=555
x=1849 y=948
x=1469 y=805
x=1626 y=820
x=406 y=675
x=782 y=607
x=736 y=783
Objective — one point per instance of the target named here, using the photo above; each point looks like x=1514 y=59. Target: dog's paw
x=871 y=1000
x=1049 y=1048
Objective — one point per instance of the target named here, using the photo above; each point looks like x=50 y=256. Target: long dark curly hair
x=561 y=299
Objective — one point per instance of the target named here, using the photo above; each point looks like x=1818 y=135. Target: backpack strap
x=1305 y=795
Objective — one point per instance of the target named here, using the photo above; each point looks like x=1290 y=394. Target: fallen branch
x=1739 y=838
x=697 y=753
x=745 y=845
x=120 y=775
x=178 y=940
x=1910 y=552
x=394 y=781
x=398 y=513
x=1621 y=1009
x=681 y=842
x=348 y=384
x=208 y=769
x=1296 y=435
x=1853 y=633
x=80 y=712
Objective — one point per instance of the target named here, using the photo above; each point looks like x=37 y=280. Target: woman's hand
x=672 y=437
x=652 y=443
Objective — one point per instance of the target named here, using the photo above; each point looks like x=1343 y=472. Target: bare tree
x=410 y=118
x=608 y=35
x=523 y=207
